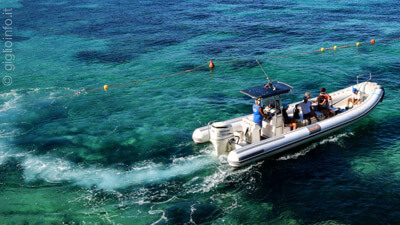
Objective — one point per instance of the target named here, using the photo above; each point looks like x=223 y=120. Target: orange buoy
x=373 y=41
x=106 y=87
x=211 y=65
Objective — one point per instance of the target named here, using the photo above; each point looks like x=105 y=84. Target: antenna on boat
x=269 y=81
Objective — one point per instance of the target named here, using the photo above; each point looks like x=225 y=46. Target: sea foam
x=54 y=170
x=11 y=100
x=336 y=139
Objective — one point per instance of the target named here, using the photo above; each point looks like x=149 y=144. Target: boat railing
x=365 y=74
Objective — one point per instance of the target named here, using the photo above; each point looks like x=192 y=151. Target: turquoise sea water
x=125 y=156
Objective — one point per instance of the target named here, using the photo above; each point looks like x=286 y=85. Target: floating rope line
x=134 y=82
x=211 y=65
x=310 y=52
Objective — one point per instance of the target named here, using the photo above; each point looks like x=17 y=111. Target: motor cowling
x=221 y=136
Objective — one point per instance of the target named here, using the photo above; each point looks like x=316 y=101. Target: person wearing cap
x=307 y=109
x=355 y=98
x=258 y=114
x=287 y=121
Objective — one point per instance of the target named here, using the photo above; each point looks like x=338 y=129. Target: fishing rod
x=269 y=80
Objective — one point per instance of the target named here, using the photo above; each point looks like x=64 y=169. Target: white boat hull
x=281 y=143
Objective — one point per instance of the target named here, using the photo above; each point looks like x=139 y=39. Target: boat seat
x=303 y=122
x=319 y=114
x=250 y=131
x=336 y=110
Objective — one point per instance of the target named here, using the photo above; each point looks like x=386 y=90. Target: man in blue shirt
x=258 y=114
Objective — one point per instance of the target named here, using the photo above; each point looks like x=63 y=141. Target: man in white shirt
x=355 y=98
x=306 y=109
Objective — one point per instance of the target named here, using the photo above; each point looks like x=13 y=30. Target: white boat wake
x=54 y=170
x=332 y=139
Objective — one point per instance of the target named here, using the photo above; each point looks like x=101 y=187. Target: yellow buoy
x=358 y=44
x=322 y=49
x=335 y=47
x=106 y=87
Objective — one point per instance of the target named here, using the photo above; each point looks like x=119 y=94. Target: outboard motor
x=221 y=136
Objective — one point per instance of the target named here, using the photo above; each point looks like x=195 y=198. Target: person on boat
x=258 y=114
x=307 y=109
x=289 y=122
x=323 y=103
x=325 y=94
x=355 y=98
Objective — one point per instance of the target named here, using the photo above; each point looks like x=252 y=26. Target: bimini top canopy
x=265 y=91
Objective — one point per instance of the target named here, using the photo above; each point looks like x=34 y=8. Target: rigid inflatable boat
x=244 y=141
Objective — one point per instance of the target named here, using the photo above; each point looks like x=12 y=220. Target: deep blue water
x=125 y=156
